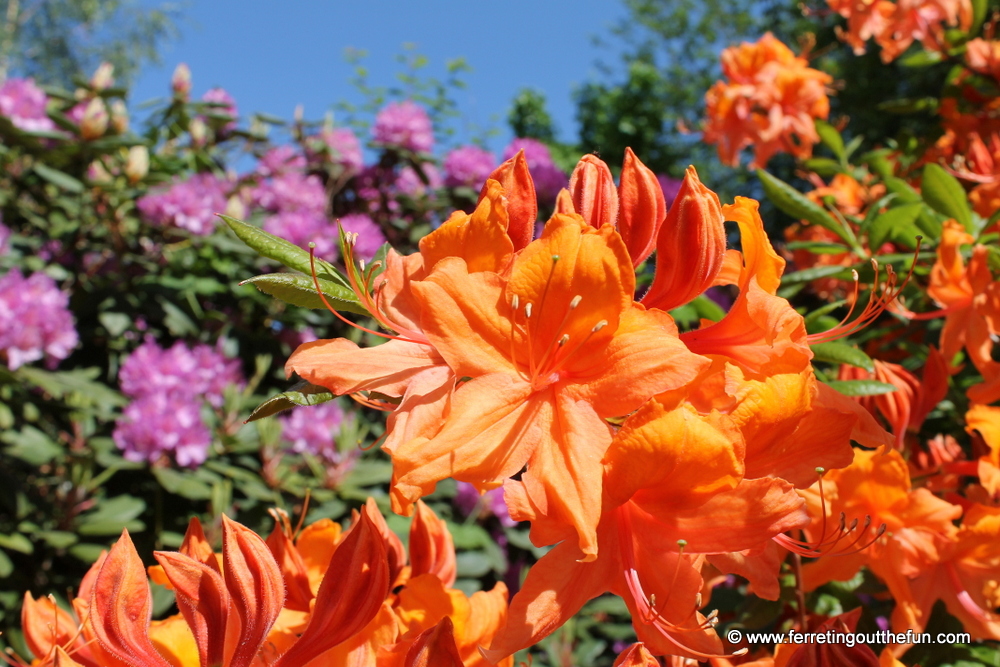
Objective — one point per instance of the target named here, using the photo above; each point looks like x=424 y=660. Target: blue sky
x=272 y=56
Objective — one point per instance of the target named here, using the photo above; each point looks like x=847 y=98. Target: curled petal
x=480 y=238
x=293 y=569
x=255 y=586
x=636 y=655
x=435 y=647
x=690 y=246
x=522 y=205
x=432 y=550
x=45 y=625
x=641 y=208
x=593 y=189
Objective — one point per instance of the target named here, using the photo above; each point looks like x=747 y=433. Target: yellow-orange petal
x=636 y=655
x=690 y=246
x=432 y=550
x=45 y=625
x=479 y=238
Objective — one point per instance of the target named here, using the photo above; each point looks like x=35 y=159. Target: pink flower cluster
x=167 y=387
x=549 y=179
x=468 y=166
x=190 y=204
x=35 y=321
x=24 y=104
x=404 y=125
x=337 y=146
x=314 y=430
x=226 y=108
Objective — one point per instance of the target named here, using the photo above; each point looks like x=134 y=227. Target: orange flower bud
x=636 y=655
x=641 y=208
x=690 y=246
x=522 y=206
x=203 y=601
x=593 y=191
x=833 y=655
x=432 y=550
x=435 y=647
x=564 y=203
x=293 y=568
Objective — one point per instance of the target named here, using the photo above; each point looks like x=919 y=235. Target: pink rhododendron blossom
x=304 y=227
x=190 y=204
x=549 y=179
x=199 y=372
x=24 y=104
x=226 y=108
x=279 y=160
x=35 y=321
x=370 y=236
x=292 y=191
x=341 y=147
x=159 y=424
x=670 y=187
x=410 y=184
x=404 y=125
x=313 y=430
x=469 y=166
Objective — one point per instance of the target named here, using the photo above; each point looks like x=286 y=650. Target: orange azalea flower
x=896 y=25
x=970 y=301
x=983 y=56
x=770 y=102
x=636 y=655
x=986 y=420
x=859 y=655
x=875 y=490
x=549 y=351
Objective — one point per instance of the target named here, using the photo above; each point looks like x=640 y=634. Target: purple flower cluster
x=468 y=166
x=490 y=503
x=291 y=191
x=339 y=146
x=34 y=320
x=404 y=125
x=670 y=187
x=24 y=104
x=226 y=108
x=167 y=387
x=549 y=179
x=190 y=204
x=305 y=227
x=408 y=181
x=280 y=159
x=314 y=429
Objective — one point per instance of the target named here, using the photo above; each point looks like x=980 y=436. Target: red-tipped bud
x=689 y=248
x=641 y=208
x=522 y=206
x=432 y=550
x=593 y=189
x=564 y=203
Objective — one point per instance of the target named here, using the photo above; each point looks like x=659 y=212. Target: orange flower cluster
x=896 y=24
x=769 y=101
x=643 y=453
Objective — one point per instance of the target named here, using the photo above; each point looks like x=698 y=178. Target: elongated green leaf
x=979 y=9
x=842 y=353
x=16 y=542
x=896 y=223
x=813 y=273
x=280 y=250
x=58 y=178
x=861 y=387
x=299 y=290
x=829 y=135
x=945 y=194
x=301 y=394
x=823 y=166
x=797 y=205
x=818 y=247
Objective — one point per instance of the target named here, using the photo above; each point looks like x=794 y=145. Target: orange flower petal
x=642 y=208
x=636 y=655
x=432 y=550
x=46 y=625
x=203 y=600
x=298 y=595
x=480 y=238
x=435 y=647
x=593 y=189
x=522 y=204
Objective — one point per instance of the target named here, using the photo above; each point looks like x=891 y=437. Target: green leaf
x=707 y=309
x=301 y=394
x=78 y=386
x=842 y=353
x=112 y=515
x=797 y=205
x=921 y=59
x=16 y=542
x=818 y=247
x=861 y=387
x=896 y=223
x=31 y=445
x=58 y=539
x=473 y=564
x=6 y=566
x=829 y=135
x=280 y=250
x=945 y=194
x=979 y=9
x=812 y=273
x=58 y=178
x=182 y=484
x=823 y=166
x=300 y=290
